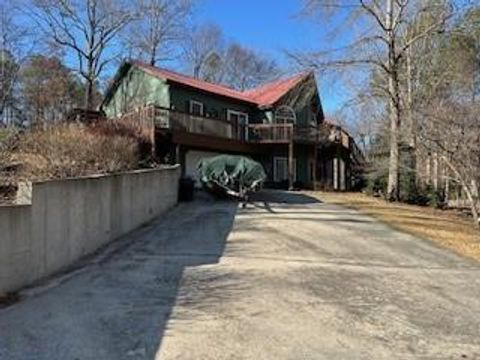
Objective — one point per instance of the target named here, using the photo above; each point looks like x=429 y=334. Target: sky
x=267 y=25
x=271 y=27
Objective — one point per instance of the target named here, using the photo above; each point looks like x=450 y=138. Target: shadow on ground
x=263 y=199
x=118 y=305
x=283 y=197
x=155 y=289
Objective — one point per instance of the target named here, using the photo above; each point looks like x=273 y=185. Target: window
x=285 y=115
x=196 y=108
x=280 y=169
x=237 y=117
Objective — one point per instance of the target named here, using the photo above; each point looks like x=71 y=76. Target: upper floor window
x=196 y=108
x=285 y=115
x=239 y=122
x=237 y=117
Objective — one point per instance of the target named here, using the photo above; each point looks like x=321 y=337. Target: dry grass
x=8 y=140
x=63 y=151
x=72 y=150
x=445 y=227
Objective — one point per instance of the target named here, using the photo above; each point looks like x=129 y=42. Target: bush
x=8 y=142
x=376 y=183
x=426 y=196
x=126 y=130
x=436 y=198
x=71 y=150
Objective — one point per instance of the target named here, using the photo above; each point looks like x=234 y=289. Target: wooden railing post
x=290 y=166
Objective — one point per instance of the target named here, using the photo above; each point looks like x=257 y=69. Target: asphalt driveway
x=288 y=277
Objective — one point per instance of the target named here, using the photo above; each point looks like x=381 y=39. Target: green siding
x=303 y=116
x=302 y=155
x=181 y=96
x=136 y=89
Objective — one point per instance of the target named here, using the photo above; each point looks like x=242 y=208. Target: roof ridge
x=152 y=67
x=278 y=81
x=263 y=95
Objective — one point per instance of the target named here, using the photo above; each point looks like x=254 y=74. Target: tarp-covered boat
x=231 y=174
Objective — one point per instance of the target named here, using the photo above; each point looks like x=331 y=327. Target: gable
x=138 y=84
x=271 y=93
x=134 y=88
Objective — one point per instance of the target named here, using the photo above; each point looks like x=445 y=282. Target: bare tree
x=446 y=109
x=159 y=27
x=452 y=131
x=87 y=28
x=234 y=65
x=200 y=47
x=15 y=47
x=244 y=68
x=213 y=68
x=381 y=45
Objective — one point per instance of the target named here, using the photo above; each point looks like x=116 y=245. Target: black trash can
x=186 y=188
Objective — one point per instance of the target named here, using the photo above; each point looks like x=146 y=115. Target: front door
x=239 y=122
x=280 y=169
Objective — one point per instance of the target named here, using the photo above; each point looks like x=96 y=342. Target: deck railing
x=179 y=121
x=307 y=133
x=162 y=118
x=265 y=133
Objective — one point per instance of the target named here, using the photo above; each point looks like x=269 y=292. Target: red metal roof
x=270 y=93
x=263 y=95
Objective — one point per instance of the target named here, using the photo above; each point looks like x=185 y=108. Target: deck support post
x=153 y=139
x=291 y=167
x=315 y=159
x=180 y=157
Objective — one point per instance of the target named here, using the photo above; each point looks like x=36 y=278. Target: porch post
x=336 y=168
x=315 y=159
x=291 y=168
x=181 y=158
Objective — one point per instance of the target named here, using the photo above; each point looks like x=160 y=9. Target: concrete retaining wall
x=70 y=218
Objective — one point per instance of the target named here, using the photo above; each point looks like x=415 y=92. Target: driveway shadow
x=264 y=198
x=283 y=197
x=118 y=305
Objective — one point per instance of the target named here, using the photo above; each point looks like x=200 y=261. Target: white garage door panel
x=191 y=161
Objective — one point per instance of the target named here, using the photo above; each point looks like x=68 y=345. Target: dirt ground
x=288 y=277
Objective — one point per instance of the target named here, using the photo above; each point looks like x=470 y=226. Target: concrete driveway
x=286 y=278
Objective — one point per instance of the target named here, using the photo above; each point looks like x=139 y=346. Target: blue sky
x=271 y=26
x=267 y=25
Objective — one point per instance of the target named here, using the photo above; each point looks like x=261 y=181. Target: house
x=280 y=124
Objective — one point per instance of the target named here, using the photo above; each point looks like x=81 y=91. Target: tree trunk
x=447 y=187
x=468 y=191
x=90 y=81
x=196 y=71
x=393 y=191
x=412 y=134
x=473 y=204
x=89 y=89
x=153 y=55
